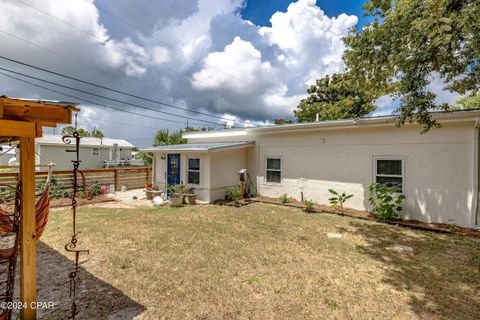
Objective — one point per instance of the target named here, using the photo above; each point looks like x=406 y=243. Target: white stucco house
x=437 y=171
x=96 y=153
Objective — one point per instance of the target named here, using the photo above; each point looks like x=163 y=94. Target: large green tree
x=467 y=102
x=409 y=43
x=336 y=97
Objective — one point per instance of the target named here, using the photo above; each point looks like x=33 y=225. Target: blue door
x=173 y=171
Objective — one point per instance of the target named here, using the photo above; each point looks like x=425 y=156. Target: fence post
x=115 y=172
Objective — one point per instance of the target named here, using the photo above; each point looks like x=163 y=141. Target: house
x=7 y=153
x=438 y=171
x=96 y=153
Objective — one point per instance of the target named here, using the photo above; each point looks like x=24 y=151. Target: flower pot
x=192 y=199
x=152 y=194
x=176 y=200
x=7 y=245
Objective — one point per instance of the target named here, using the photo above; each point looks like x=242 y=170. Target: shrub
x=284 y=198
x=233 y=193
x=251 y=191
x=57 y=190
x=385 y=201
x=95 y=189
x=309 y=204
x=338 y=199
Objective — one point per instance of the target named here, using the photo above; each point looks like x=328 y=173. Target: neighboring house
x=437 y=171
x=95 y=153
x=7 y=153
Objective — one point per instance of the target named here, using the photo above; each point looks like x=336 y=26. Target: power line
x=151 y=35
x=114 y=90
x=131 y=26
x=81 y=62
x=90 y=101
x=105 y=97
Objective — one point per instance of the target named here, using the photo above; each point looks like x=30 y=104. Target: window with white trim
x=390 y=172
x=96 y=152
x=273 y=170
x=193 y=171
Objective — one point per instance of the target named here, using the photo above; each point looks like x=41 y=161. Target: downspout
x=475 y=218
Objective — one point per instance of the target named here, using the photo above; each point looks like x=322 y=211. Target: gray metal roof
x=200 y=147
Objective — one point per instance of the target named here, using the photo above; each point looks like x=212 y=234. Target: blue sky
x=260 y=11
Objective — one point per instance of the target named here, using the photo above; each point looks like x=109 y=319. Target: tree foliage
x=164 y=137
x=69 y=130
x=336 y=97
x=409 y=43
x=97 y=133
x=467 y=102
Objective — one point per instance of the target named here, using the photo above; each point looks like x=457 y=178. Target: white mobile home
x=437 y=171
x=94 y=152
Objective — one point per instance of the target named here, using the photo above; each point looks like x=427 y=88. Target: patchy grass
x=255 y=262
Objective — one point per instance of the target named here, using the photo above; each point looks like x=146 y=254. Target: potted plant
x=152 y=191
x=192 y=196
x=7 y=244
x=176 y=196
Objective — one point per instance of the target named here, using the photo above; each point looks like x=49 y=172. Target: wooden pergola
x=22 y=120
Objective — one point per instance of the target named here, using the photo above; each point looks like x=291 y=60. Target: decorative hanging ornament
x=72 y=245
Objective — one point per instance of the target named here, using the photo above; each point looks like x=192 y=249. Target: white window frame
x=403 y=166
x=99 y=152
x=280 y=170
x=199 y=170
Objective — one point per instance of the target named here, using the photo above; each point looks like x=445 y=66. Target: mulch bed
x=67 y=202
x=362 y=214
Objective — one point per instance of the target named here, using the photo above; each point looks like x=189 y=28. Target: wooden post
x=28 y=248
x=148 y=175
x=115 y=172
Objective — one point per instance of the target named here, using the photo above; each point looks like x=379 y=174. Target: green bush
x=233 y=193
x=309 y=204
x=338 y=199
x=57 y=190
x=284 y=198
x=95 y=189
x=385 y=201
x=251 y=191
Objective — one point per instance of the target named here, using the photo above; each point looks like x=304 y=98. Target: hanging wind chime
x=72 y=245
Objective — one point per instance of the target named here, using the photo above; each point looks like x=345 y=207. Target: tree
x=282 y=121
x=335 y=97
x=467 y=102
x=69 y=130
x=163 y=138
x=409 y=43
x=97 y=133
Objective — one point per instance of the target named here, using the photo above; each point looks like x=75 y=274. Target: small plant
x=385 y=201
x=309 y=204
x=95 y=189
x=284 y=198
x=103 y=190
x=338 y=199
x=451 y=225
x=251 y=191
x=233 y=193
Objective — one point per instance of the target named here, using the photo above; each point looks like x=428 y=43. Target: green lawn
x=256 y=262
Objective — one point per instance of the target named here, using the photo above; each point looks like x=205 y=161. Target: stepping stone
x=333 y=235
x=400 y=248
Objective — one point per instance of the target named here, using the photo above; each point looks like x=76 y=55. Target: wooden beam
x=10 y=128
x=28 y=246
x=38 y=130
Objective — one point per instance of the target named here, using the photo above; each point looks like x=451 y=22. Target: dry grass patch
x=256 y=262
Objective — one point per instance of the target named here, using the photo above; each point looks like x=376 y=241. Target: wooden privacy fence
x=131 y=178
